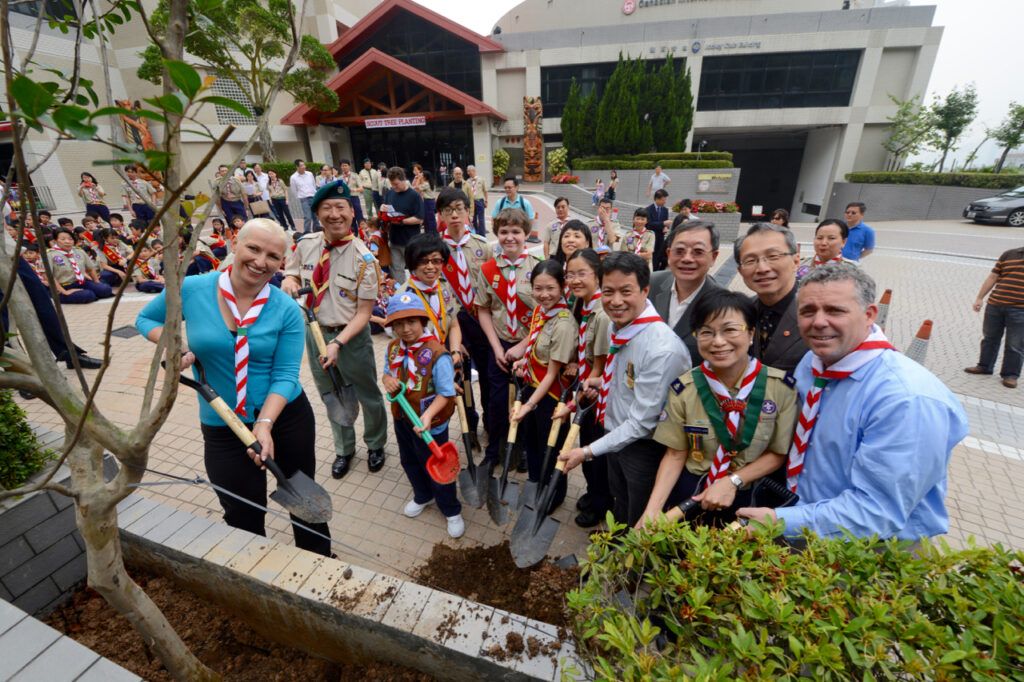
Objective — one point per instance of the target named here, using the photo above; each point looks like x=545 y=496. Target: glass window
x=555 y=81
x=778 y=80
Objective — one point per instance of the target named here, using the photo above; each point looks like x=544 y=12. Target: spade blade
x=335 y=410
x=467 y=487
x=530 y=546
x=304 y=498
x=528 y=496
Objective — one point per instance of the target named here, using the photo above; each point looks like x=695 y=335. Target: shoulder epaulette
x=776 y=373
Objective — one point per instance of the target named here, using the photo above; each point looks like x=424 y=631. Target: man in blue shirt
x=879 y=446
x=861 y=242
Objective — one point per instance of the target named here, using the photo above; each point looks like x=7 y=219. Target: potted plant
x=500 y=162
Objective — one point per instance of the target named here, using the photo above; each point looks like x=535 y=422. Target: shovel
x=501 y=497
x=535 y=530
x=531 y=489
x=472 y=480
x=341 y=402
x=299 y=494
x=443 y=463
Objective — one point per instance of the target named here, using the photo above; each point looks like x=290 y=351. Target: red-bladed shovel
x=443 y=464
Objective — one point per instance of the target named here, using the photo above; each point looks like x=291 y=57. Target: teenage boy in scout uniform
x=345 y=277
x=469 y=251
x=728 y=422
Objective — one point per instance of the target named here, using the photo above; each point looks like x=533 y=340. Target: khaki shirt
x=629 y=242
x=352 y=180
x=230 y=188
x=598 y=339
x=478 y=188
x=370 y=179
x=477 y=251
x=557 y=339
x=353 y=276
x=487 y=297
x=686 y=422
x=63 y=273
x=121 y=249
x=450 y=306
x=554 y=236
x=139 y=186
x=612 y=233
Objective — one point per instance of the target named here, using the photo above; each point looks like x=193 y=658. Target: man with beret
x=344 y=277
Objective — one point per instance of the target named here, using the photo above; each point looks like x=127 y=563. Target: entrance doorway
x=770 y=169
x=448 y=143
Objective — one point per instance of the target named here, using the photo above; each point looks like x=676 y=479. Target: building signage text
x=713 y=183
x=396 y=122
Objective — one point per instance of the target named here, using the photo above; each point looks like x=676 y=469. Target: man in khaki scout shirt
x=343 y=312
x=477 y=195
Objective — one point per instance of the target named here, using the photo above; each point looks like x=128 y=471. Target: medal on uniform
x=751 y=411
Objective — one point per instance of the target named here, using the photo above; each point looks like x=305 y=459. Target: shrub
x=633 y=164
x=704 y=206
x=284 y=169
x=500 y=162
x=661 y=156
x=978 y=180
x=565 y=179
x=20 y=454
x=714 y=605
x=557 y=161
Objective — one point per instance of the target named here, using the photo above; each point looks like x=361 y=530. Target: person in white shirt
x=658 y=181
x=303 y=183
x=263 y=179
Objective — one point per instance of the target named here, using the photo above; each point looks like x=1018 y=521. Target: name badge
x=630 y=375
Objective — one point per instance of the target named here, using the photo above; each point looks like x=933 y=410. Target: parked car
x=1007 y=207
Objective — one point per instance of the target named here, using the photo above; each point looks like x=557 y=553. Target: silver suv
x=1007 y=207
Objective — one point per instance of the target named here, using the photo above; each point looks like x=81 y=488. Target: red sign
x=629 y=6
x=396 y=122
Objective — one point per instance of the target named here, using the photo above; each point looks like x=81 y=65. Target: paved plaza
x=369 y=528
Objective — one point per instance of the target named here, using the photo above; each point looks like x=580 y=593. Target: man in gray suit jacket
x=767 y=258
x=692 y=248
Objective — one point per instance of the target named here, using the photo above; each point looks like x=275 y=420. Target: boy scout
x=639 y=240
x=74 y=272
x=345 y=278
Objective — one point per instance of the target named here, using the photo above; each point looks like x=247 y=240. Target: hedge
x=628 y=164
x=20 y=453
x=284 y=169
x=660 y=156
x=709 y=604
x=977 y=180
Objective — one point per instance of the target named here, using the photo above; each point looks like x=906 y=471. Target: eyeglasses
x=770 y=258
x=682 y=251
x=578 y=274
x=453 y=209
x=432 y=261
x=730 y=333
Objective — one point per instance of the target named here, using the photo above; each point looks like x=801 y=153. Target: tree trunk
x=1002 y=159
x=96 y=516
x=942 y=161
x=266 y=139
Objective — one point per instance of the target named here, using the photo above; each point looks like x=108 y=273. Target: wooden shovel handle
x=461 y=405
x=318 y=338
x=513 y=427
x=235 y=424
x=570 y=438
x=556 y=426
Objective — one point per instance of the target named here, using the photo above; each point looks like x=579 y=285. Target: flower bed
x=703 y=206
x=565 y=179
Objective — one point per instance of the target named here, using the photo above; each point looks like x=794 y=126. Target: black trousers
x=596 y=470
x=497 y=407
x=659 y=260
x=413 y=454
x=535 y=429
x=230 y=468
x=43 y=304
x=479 y=348
x=631 y=474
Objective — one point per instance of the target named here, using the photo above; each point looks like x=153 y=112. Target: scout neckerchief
x=511 y=302
x=817 y=261
x=581 y=340
x=322 y=273
x=457 y=270
x=242 y=337
x=620 y=339
x=143 y=265
x=70 y=253
x=433 y=303
x=537 y=322
x=638 y=238
x=873 y=346
x=406 y=355
x=726 y=412
x=114 y=256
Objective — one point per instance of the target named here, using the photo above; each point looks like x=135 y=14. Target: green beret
x=332 y=190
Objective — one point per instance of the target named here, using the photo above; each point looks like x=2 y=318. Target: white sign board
x=396 y=122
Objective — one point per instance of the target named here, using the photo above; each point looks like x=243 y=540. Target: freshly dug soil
x=489 y=576
x=220 y=640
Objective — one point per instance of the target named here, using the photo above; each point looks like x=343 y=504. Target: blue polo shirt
x=861 y=239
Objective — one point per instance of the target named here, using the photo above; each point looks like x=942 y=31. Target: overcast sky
x=981 y=43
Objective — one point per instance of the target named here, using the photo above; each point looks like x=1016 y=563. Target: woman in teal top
x=266 y=394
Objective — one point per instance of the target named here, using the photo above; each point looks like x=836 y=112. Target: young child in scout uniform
x=146 y=274
x=345 y=278
x=75 y=272
x=728 y=422
x=31 y=255
x=112 y=258
x=550 y=346
x=639 y=240
x=420 y=362
x=469 y=251
x=377 y=241
x=134 y=194
x=504 y=305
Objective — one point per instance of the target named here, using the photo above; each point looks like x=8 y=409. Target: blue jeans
x=1000 y=318
x=310 y=223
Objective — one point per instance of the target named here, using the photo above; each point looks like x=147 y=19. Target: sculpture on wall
x=533 y=140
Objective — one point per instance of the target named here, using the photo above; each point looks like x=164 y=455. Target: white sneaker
x=456 y=526
x=414 y=508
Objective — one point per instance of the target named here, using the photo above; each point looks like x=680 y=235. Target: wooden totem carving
x=533 y=140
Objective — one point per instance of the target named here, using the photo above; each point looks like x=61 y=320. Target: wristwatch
x=736 y=480
x=338 y=343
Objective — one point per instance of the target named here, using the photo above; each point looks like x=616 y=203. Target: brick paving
x=368 y=524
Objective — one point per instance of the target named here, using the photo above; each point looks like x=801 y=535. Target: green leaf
x=229 y=103
x=33 y=99
x=168 y=103
x=157 y=160
x=71 y=120
x=954 y=656
x=184 y=76
x=118 y=111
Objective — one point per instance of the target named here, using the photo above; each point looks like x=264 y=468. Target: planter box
x=728 y=224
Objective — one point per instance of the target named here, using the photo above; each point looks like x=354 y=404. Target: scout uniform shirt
x=612 y=231
x=63 y=272
x=598 y=337
x=370 y=179
x=477 y=252
x=685 y=425
x=353 y=276
x=555 y=236
x=352 y=180
x=556 y=341
x=630 y=243
x=477 y=187
x=487 y=297
x=133 y=188
x=440 y=318
x=103 y=259
x=231 y=188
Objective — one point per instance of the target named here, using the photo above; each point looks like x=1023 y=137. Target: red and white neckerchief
x=581 y=340
x=321 y=278
x=463 y=285
x=242 y=338
x=817 y=261
x=511 y=323
x=143 y=265
x=639 y=241
x=434 y=304
x=732 y=412
x=79 y=277
x=406 y=355
x=538 y=320
x=871 y=348
x=620 y=339
x=114 y=256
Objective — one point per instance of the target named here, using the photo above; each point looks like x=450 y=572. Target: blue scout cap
x=405 y=304
x=332 y=190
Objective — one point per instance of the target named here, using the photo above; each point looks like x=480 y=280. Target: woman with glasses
x=729 y=420
x=426 y=255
